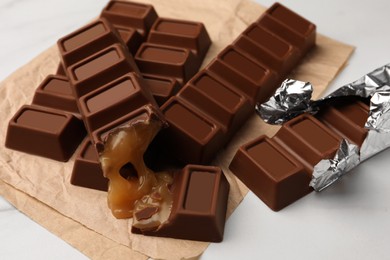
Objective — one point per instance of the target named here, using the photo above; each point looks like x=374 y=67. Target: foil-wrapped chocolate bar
x=319 y=140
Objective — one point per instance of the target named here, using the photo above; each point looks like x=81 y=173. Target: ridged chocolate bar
x=279 y=169
x=210 y=108
x=200 y=195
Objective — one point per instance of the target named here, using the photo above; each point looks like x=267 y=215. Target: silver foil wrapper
x=294 y=98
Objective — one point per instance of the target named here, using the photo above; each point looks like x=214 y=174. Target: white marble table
x=350 y=220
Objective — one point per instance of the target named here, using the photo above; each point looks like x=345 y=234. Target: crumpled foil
x=294 y=98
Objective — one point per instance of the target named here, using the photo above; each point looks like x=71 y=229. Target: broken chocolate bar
x=279 y=169
x=245 y=72
x=45 y=132
x=199 y=201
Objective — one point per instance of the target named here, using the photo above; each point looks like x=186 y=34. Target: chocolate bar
x=45 y=132
x=279 y=169
x=199 y=200
x=87 y=171
x=245 y=72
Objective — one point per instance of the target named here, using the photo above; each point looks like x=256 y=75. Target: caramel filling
x=130 y=179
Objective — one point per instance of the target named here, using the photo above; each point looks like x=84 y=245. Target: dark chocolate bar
x=245 y=72
x=200 y=195
x=87 y=171
x=45 y=132
x=279 y=169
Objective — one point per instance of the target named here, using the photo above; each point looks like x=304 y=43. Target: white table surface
x=350 y=220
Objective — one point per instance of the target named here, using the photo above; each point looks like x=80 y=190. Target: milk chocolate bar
x=200 y=195
x=245 y=72
x=87 y=171
x=279 y=169
x=45 y=132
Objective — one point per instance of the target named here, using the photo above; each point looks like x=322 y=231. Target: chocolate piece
x=87 y=41
x=45 y=132
x=113 y=101
x=166 y=61
x=279 y=170
x=99 y=69
x=289 y=26
x=200 y=195
x=183 y=34
x=246 y=72
x=130 y=14
x=130 y=37
x=162 y=88
x=55 y=92
x=60 y=70
x=87 y=171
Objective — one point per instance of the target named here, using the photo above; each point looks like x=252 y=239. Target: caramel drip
x=123 y=152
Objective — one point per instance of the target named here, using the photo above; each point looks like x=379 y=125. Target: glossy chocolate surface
x=200 y=195
x=279 y=169
x=211 y=107
x=130 y=14
x=45 y=132
x=55 y=92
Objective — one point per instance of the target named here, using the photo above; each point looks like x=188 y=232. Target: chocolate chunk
x=162 y=88
x=56 y=92
x=130 y=14
x=45 y=132
x=87 y=171
x=200 y=196
x=279 y=169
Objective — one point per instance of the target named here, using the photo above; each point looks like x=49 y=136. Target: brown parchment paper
x=40 y=187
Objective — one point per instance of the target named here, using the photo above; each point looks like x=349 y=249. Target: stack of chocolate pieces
x=279 y=169
x=109 y=90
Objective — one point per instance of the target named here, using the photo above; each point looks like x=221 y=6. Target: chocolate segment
x=56 y=92
x=45 y=132
x=199 y=204
x=87 y=171
x=162 y=88
x=166 y=61
x=130 y=14
x=183 y=34
x=86 y=41
x=246 y=72
x=279 y=169
x=99 y=69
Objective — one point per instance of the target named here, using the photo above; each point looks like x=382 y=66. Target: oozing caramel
x=123 y=164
